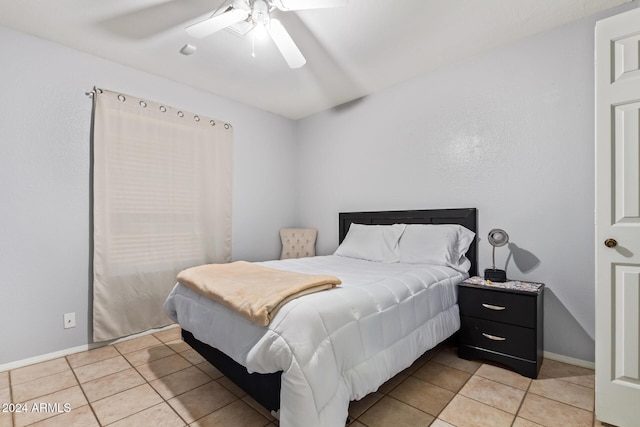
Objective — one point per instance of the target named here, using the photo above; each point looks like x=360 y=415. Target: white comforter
x=338 y=345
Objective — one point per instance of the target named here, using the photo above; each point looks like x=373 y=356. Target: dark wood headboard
x=465 y=217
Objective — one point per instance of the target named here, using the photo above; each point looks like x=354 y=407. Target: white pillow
x=441 y=244
x=372 y=242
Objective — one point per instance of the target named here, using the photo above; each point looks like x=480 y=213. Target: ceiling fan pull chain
x=253 y=44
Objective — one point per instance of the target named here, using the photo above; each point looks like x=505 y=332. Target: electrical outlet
x=69 y=320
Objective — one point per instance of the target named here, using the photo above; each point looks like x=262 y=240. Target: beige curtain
x=162 y=183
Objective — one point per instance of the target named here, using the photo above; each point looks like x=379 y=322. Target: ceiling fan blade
x=217 y=23
x=285 y=44
x=309 y=4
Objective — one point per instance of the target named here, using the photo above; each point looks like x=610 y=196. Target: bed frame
x=265 y=388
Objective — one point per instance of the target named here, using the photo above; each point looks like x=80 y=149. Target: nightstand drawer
x=499 y=337
x=500 y=306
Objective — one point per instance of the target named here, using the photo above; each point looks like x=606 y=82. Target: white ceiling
x=351 y=51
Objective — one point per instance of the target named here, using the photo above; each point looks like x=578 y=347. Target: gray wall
x=44 y=183
x=509 y=132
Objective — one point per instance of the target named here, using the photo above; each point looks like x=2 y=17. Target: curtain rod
x=93 y=91
x=91 y=94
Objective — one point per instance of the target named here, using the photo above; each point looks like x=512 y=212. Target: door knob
x=610 y=243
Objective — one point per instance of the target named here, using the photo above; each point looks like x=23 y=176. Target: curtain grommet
x=121 y=98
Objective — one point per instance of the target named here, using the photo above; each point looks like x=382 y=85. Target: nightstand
x=502 y=322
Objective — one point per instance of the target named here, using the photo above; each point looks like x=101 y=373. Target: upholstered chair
x=298 y=242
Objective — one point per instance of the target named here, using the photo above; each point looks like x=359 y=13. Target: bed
x=323 y=350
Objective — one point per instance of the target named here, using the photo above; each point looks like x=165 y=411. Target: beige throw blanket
x=254 y=291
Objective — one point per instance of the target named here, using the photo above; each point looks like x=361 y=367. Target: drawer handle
x=493 y=307
x=493 y=337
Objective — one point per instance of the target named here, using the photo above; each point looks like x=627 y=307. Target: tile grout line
x=186 y=391
x=414 y=369
x=422 y=364
x=12 y=415
x=82 y=390
x=484 y=403
x=564 y=403
x=148 y=382
x=120 y=354
x=41 y=395
x=526 y=392
x=215 y=380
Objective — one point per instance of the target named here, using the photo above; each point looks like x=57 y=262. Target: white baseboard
x=569 y=360
x=72 y=350
x=48 y=356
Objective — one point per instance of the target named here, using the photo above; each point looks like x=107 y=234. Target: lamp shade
x=498 y=237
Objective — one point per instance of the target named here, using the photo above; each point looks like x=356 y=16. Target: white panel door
x=618 y=219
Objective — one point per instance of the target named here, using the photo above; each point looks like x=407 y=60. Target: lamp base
x=495 y=275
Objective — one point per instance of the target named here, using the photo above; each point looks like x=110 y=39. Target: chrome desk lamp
x=497 y=238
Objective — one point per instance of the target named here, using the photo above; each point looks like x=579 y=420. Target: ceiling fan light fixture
x=260 y=32
x=244 y=16
x=260 y=12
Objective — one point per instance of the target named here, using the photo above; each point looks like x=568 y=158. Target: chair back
x=298 y=242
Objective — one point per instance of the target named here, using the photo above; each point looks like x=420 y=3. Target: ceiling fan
x=246 y=15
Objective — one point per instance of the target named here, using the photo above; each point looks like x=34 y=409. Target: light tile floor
x=158 y=380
